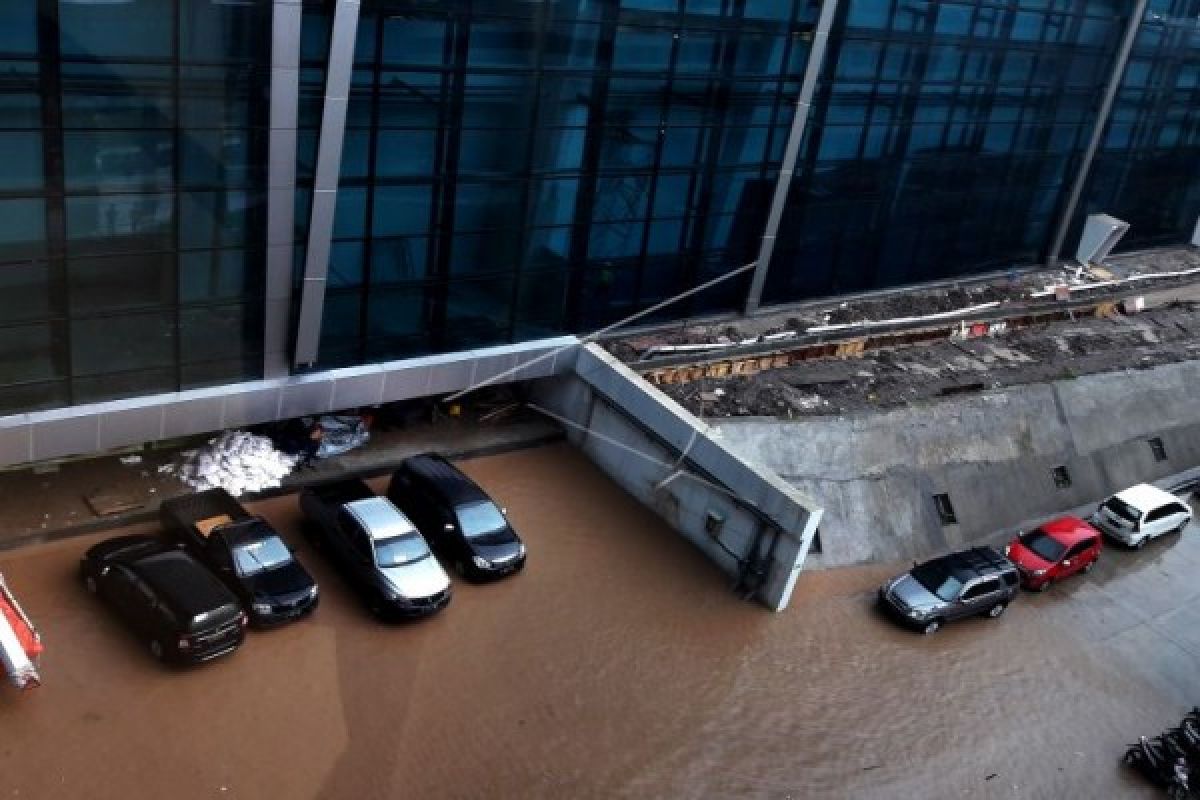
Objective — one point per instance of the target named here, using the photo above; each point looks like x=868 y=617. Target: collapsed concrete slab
x=753 y=525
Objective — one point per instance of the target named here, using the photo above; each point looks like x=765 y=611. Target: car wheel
x=931 y=626
x=156 y=649
x=996 y=610
x=1045 y=587
x=89 y=583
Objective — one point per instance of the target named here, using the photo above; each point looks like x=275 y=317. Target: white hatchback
x=1138 y=514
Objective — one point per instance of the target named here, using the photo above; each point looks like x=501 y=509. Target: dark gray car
x=963 y=584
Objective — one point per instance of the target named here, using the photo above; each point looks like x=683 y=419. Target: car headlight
x=521 y=549
x=261 y=608
x=480 y=562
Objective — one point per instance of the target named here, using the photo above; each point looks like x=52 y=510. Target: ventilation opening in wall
x=1156 y=447
x=1062 y=478
x=945 y=509
x=815 y=547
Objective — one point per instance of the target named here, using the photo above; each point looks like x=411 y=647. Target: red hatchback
x=1057 y=549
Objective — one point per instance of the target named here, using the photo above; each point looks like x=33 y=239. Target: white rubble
x=235 y=461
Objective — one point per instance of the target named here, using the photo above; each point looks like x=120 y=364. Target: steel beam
x=1098 y=130
x=324 y=196
x=816 y=57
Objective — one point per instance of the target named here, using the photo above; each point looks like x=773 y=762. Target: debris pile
x=235 y=461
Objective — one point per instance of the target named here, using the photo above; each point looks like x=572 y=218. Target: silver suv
x=963 y=584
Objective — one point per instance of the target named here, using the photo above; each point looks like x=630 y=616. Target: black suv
x=457 y=517
x=963 y=584
x=175 y=605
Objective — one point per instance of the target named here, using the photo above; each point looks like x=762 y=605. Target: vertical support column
x=1089 y=155
x=281 y=184
x=816 y=56
x=329 y=162
x=1196 y=234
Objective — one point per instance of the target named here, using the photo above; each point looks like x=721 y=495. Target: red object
x=29 y=639
x=1057 y=549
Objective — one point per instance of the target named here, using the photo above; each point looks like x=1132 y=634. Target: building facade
x=203 y=193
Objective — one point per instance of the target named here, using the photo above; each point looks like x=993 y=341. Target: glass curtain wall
x=1148 y=169
x=513 y=170
x=941 y=139
x=131 y=197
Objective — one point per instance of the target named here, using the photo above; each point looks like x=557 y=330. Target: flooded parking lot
x=617 y=664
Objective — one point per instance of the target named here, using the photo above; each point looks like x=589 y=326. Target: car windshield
x=479 y=519
x=258 y=556
x=1043 y=545
x=1122 y=509
x=397 y=551
x=937 y=580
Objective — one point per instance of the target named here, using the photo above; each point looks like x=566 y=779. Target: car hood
x=286 y=579
x=501 y=546
x=1022 y=556
x=417 y=580
x=910 y=592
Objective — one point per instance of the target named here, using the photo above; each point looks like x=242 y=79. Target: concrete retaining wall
x=993 y=454
x=669 y=460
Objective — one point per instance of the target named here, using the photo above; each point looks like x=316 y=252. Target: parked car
x=1138 y=514
x=1055 y=550
x=166 y=597
x=245 y=552
x=457 y=517
x=962 y=584
x=377 y=548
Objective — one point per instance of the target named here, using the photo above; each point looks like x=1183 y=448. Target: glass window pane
x=212 y=31
x=116 y=160
x=413 y=41
x=20 y=102
x=398 y=260
x=500 y=44
x=27 y=353
x=125 y=282
x=138 y=28
x=24 y=292
x=642 y=49
x=217 y=219
x=404 y=153
x=22 y=228
x=22 y=161
x=210 y=275
x=113 y=95
x=217 y=333
x=120 y=222
x=18 y=28
x=350 y=215
x=116 y=344
x=401 y=210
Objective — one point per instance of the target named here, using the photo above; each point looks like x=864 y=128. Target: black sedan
x=168 y=599
x=457 y=517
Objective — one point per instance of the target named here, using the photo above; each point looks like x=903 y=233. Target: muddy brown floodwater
x=617 y=664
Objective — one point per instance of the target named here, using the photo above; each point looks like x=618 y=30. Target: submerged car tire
x=89 y=583
x=931 y=626
x=997 y=610
x=1089 y=566
x=156 y=649
x=1045 y=587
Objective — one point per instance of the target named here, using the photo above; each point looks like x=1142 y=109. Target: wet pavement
x=616 y=665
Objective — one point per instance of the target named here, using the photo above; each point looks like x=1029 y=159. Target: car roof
x=969 y=564
x=453 y=485
x=1068 y=530
x=379 y=518
x=185 y=585
x=1145 y=497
